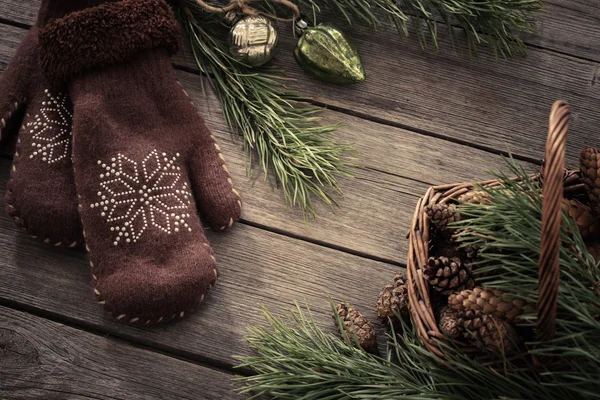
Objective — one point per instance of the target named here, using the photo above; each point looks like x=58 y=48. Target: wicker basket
x=556 y=181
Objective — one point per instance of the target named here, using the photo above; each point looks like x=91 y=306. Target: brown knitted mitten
x=143 y=160
x=41 y=191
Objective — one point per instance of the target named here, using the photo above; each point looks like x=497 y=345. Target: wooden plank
x=489 y=103
x=567 y=26
x=571 y=27
x=259 y=266
x=256 y=267
x=21 y=11
x=40 y=359
x=378 y=204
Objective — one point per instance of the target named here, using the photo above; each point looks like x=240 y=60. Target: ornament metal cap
x=300 y=25
x=231 y=17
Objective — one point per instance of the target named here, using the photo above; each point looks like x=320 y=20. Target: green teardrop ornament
x=328 y=54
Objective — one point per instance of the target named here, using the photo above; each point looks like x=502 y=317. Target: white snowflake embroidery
x=134 y=197
x=51 y=129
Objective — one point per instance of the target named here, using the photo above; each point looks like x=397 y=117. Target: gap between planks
x=530 y=39
x=399 y=166
x=117 y=336
x=394 y=124
x=459 y=128
x=51 y=357
x=292 y=235
x=257 y=267
x=372 y=118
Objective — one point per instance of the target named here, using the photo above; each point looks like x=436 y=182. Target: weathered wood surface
x=489 y=103
x=399 y=165
x=568 y=26
x=43 y=360
x=256 y=267
x=486 y=103
x=420 y=119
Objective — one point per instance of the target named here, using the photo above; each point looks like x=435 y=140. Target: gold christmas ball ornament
x=252 y=39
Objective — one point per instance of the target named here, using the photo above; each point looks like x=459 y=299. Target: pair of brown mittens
x=143 y=161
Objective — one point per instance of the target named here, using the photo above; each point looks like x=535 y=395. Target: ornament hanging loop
x=244 y=7
x=300 y=26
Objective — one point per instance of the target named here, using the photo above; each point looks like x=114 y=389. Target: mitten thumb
x=219 y=202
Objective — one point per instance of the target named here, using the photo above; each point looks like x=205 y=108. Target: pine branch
x=278 y=126
x=496 y=23
x=507 y=231
x=295 y=359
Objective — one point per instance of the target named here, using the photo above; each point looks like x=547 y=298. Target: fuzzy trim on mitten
x=107 y=34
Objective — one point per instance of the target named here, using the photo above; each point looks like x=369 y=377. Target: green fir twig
x=495 y=23
x=507 y=231
x=296 y=359
x=278 y=126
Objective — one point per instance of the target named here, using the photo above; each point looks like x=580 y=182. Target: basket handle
x=549 y=262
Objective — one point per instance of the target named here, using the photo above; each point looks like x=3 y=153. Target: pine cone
x=488 y=331
x=449 y=324
x=442 y=214
x=448 y=250
x=356 y=323
x=490 y=302
x=594 y=250
x=589 y=165
x=470 y=252
x=587 y=222
x=441 y=247
x=448 y=275
x=475 y=197
x=393 y=299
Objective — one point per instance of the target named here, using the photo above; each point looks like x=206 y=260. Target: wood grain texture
x=256 y=267
x=40 y=359
x=571 y=27
x=399 y=165
x=21 y=11
x=567 y=26
x=481 y=103
x=489 y=103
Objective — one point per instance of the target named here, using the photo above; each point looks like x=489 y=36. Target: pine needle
x=507 y=231
x=278 y=126
x=295 y=359
x=495 y=23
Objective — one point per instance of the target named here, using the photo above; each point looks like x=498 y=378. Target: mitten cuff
x=107 y=34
